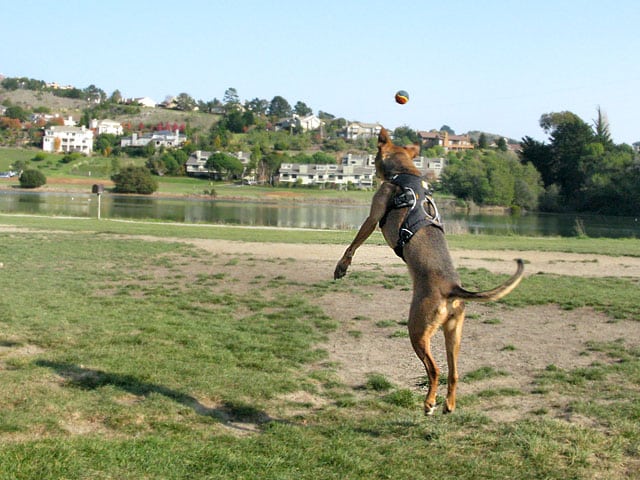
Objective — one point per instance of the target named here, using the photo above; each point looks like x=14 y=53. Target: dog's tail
x=493 y=294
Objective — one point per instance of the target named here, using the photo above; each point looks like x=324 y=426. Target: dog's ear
x=413 y=150
x=383 y=137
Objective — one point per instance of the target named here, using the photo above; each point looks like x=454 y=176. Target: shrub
x=70 y=157
x=135 y=180
x=32 y=179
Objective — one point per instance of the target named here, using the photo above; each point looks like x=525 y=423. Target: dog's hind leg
x=452 y=329
x=423 y=323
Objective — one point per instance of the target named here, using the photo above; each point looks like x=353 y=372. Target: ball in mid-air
x=402 y=97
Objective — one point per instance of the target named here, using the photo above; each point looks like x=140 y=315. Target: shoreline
x=278 y=196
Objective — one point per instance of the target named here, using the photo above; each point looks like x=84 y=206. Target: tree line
x=579 y=168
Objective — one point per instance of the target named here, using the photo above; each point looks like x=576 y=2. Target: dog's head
x=393 y=159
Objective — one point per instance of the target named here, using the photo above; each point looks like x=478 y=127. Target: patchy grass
x=612 y=295
x=122 y=358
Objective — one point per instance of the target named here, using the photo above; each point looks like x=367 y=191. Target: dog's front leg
x=377 y=211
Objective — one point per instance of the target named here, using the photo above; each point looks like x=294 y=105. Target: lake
x=318 y=216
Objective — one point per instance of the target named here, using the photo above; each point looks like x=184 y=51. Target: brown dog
x=438 y=297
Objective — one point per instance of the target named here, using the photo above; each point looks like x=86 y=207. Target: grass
x=569 y=292
x=603 y=246
x=123 y=358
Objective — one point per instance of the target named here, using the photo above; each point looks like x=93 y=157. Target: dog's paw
x=429 y=410
x=341 y=270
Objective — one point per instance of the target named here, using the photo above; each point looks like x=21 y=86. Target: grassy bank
x=604 y=246
x=123 y=358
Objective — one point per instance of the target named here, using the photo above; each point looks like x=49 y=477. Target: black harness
x=415 y=195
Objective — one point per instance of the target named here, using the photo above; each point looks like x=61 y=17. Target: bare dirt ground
x=517 y=341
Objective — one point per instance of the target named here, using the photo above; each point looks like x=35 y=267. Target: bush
x=70 y=157
x=32 y=179
x=135 y=180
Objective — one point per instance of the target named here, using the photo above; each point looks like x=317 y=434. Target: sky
x=493 y=66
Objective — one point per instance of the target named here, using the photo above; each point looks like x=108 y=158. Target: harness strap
x=422 y=211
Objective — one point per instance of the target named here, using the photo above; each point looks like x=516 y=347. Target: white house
x=356 y=170
x=356 y=130
x=107 y=126
x=161 y=138
x=306 y=123
x=144 y=101
x=68 y=139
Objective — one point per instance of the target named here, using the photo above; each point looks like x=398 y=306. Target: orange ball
x=402 y=97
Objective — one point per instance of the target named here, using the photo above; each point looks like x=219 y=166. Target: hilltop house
x=162 y=138
x=68 y=139
x=450 y=143
x=145 y=102
x=107 y=127
x=359 y=130
x=306 y=123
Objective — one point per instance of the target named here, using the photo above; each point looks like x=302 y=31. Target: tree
x=258 y=106
x=528 y=186
x=279 y=108
x=302 y=109
x=404 y=135
x=231 y=96
x=502 y=144
x=105 y=142
x=32 y=179
x=219 y=135
x=185 y=102
x=323 y=158
x=581 y=167
x=492 y=177
x=269 y=165
x=116 y=97
x=17 y=112
x=540 y=156
x=501 y=181
x=601 y=127
x=569 y=144
x=226 y=165
x=94 y=94
x=212 y=106
x=482 y=141
x=550 y=121
x=135 y=180
x=466 y=178
x=448 y=129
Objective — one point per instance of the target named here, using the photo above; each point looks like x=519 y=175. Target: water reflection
x=321 y=216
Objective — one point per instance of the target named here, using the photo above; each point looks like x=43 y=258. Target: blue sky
x=494 y=66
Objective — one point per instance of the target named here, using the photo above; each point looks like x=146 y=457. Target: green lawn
x=124 y=358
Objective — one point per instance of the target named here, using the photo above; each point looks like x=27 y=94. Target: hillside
x=30 y=99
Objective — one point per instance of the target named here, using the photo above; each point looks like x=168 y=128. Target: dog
x=411 y=225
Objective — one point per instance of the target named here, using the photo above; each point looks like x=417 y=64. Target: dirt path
x=497 y=261
x=519 y=342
